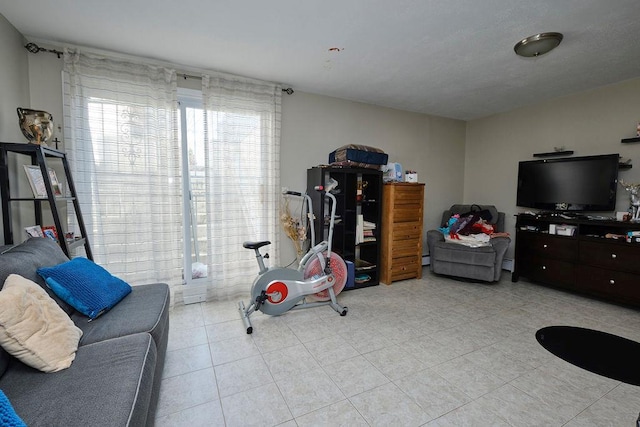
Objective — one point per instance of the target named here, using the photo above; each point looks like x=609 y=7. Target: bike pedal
x=260 y=299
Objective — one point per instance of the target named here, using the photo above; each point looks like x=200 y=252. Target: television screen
x=569 y=184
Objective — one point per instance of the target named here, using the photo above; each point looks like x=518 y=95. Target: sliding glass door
x=196 y=261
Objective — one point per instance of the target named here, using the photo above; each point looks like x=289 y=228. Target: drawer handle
x=614 y=256
x=612 y=282
x=544 y=267
x=544 y=246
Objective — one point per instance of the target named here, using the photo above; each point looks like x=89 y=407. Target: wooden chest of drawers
x=402 y=216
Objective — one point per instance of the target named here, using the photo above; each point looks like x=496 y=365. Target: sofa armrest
x=500 y=223
x=433 y=237
x=500 y=245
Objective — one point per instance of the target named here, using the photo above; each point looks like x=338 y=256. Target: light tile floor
x=430 y=352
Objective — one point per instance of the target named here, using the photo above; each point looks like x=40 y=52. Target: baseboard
x=507 y=264
x=194 y=293
x=426 y=260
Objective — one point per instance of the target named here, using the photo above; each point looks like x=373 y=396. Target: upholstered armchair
x=482 y=263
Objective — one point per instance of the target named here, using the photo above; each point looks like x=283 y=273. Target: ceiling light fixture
x=538 y=44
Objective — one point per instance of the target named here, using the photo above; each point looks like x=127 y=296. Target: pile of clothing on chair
x=470 y=229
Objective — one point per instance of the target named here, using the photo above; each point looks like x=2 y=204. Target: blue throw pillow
x=85 y=286
x=8 y=416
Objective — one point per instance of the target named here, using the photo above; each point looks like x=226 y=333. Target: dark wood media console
x=586 y=262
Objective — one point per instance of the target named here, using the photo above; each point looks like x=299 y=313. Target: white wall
x=14 y=88
x=315 y=125
x=14 y=80
x=588 y=123
x=45 y=84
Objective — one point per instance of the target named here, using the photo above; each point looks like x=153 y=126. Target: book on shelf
x=368 y=236
x=364 y=230
x=50 y=232
x=34 y=231
x=362 y=265
x=37 y=183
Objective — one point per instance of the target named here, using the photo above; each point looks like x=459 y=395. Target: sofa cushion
x=34 y=328
x=145 y=309
x=85 y=285
x=8 y=416
x=25 y=259
x=109 y=383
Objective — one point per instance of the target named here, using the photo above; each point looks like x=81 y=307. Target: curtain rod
x=288 y=90
x=34 y=48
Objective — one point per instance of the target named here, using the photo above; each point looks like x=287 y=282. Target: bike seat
x=255 y=245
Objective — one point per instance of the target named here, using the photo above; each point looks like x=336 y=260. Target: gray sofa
x=481 y=263
x=115 y=377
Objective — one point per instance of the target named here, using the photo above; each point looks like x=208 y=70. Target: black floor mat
x=598 y=352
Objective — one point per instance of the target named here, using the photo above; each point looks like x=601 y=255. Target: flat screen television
x=582 y=184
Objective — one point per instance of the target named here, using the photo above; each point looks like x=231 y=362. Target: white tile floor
x=430 y=352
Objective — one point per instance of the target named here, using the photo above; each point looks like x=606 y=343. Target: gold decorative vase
x=36 y=125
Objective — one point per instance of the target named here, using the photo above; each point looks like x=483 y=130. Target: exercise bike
x=319 y=277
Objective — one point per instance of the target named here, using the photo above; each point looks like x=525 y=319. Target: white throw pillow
x=34 y=328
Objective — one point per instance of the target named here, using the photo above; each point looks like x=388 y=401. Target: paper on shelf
x=359 y=229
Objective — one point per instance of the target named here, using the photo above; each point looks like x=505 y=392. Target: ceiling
x=449 y=58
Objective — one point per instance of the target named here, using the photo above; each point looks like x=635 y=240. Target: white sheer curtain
x=242 y=148
x=121 y=137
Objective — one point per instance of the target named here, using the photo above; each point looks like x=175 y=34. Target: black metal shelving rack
x=38 y=155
